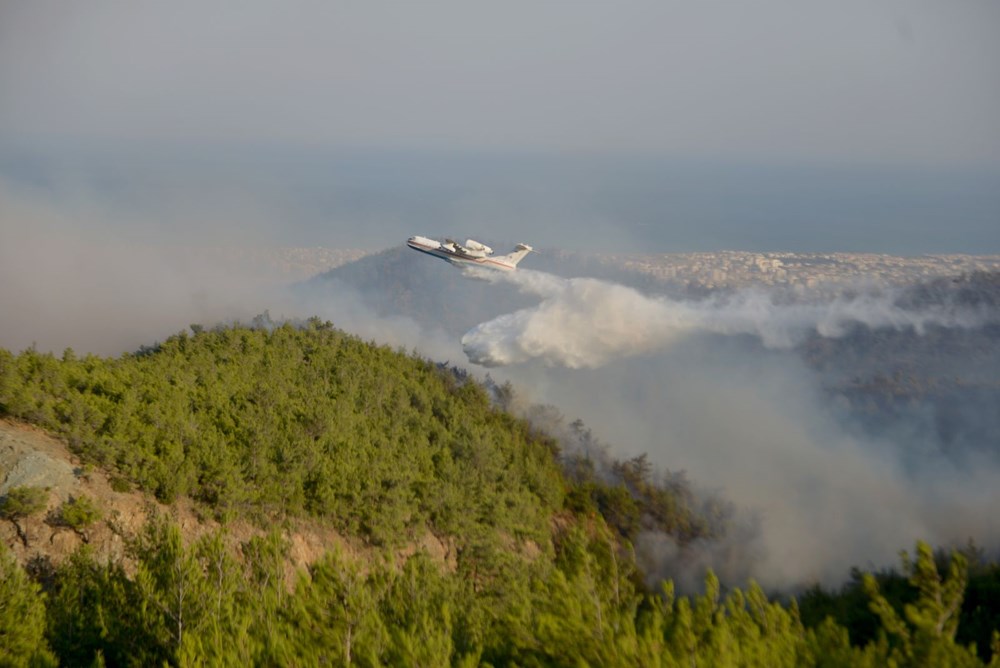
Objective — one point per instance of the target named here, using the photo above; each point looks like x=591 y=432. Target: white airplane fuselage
x=471 y=254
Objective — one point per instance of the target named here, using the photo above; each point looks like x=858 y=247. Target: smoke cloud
x=713 y=388
x=585 y=323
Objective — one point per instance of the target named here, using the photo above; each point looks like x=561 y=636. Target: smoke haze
x=752 y=425
x=712 y=387
x=88 y=272
x=584 y=322
x=69 y=279
x=136 y=139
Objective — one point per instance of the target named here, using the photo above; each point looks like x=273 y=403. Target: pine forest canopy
x=266 y=423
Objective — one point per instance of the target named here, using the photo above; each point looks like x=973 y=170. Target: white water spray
x=585 y=323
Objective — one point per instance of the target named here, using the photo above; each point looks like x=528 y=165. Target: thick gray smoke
x=585 y=323
x=745 y=417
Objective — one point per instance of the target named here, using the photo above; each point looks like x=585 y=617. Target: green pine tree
x=20 y=504
x=22 y=617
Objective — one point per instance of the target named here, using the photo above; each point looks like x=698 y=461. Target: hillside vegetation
x=270 y=423
x=289 y=421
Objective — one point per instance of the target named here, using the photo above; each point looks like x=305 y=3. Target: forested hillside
x=268 y=423
x=290 y=421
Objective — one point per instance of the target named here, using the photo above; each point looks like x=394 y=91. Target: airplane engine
x=472 y=244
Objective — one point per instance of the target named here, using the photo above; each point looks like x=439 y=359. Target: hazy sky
x=886 y=85
x=853 y=80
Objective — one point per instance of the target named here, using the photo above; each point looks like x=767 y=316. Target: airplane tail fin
x=517 y=255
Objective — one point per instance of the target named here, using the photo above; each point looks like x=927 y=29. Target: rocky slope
x=29 y=457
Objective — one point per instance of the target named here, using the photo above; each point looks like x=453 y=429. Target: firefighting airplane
x=471 y=253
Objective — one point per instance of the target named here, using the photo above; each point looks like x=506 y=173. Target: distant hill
x=402 y=282
x=399 y=281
